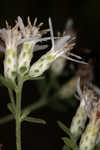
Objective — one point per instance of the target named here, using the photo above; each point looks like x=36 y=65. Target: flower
x=89 y=138
x=30 y=35
x=92 y=108
x=60 y=47
x=81 y=116
x=11 y=37
x=18 y=62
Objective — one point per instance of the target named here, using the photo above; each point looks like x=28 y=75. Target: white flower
x=60 y=47
x=30 y=35
x=81 y=116
x=11 y=37
x=90 y=135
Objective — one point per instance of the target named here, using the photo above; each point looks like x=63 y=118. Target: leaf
x=66 y=130
x=33 y=78
x=65 y=147
x=35 y=120
x=11 y=107
x=7 y=82
x=70 y=144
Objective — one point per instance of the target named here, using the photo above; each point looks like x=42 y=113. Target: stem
x=18 y=113
x=27 y=110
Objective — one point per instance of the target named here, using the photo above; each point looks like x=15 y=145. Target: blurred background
x=86 y=17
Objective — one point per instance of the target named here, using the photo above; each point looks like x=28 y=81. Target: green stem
x=18 y=114
x=31 y=108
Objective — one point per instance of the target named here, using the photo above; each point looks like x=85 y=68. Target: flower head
x=30 y=35
x=61 y=47
x=11 y=36
x=30 y=32
x=81 y=116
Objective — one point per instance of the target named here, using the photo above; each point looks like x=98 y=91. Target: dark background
x=86 y=15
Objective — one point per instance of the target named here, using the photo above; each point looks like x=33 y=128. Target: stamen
x=79 y=89
x=82 y=62
x=51 y=32
x=35 y=21
x=71 y=54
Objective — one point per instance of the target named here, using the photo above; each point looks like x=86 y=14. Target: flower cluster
x=89 y=109
x=81 y=116
x=20 y=44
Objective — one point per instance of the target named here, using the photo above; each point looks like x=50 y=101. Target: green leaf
x=11 y=107
x=7 y=82
x=65 y=147
x=34 y=120
x=33 y=78
x=66 y=130
x=70 y=144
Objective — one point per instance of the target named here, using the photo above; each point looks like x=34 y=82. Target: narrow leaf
x=11 y=108
x=66 y=130
x=33 y=78
x=34 y=120
x=70 y=144
x=65 y=147
x=7 y=82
